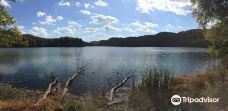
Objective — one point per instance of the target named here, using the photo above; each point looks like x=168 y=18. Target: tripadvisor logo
x=176 y=100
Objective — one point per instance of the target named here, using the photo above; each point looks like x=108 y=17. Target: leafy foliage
x=34 y=41
x=5 y=19
x=210 y=10
x=10 y=36
x=71 y=105
x=213 y=14
x=218 y=37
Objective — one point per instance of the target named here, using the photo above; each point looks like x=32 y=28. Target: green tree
x=212 y=16
x=10 y=36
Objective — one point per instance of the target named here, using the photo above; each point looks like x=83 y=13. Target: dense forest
x=34 y=41
x=189 y=38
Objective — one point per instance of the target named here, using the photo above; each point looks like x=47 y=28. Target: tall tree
x=212 y=15
x=10 y=36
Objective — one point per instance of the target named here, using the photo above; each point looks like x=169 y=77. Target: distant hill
x=189 y=38
x=34 y=41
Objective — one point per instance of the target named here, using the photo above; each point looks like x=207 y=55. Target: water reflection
x=37 y=64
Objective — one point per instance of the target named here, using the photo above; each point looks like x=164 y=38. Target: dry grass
x=213 y=83
x=15 y=105
x=20 y=105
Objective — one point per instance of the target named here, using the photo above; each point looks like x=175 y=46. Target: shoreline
x=210 y=83
x=103 y=46
x=180 y=78
x=33 y=95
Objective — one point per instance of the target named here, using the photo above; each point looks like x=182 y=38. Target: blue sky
x=100 y=19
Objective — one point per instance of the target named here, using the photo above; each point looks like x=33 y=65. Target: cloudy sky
x=100 y=19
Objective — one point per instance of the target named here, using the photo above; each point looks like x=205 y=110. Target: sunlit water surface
x=36 y=64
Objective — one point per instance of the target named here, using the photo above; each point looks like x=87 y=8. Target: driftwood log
x=114 y=102
x=52 y=88
x=115 y=87
x=72 y=78
x=118 y=85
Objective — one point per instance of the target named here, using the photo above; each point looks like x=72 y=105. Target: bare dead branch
x=55 y=85
x=52 y=88
x=119 y=84
x=72 y=78
x=114 y=102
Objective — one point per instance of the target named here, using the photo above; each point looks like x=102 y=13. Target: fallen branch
x=120 y=84
x=114 y=102
x=72 y=78
x=52 y=87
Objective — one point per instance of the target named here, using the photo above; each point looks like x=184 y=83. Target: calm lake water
x=37 y=64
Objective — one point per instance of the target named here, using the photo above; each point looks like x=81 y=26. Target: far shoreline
x=108 y=46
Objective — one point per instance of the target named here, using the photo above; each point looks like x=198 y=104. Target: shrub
x=71 y=105
x=155 y=90
x=156 y=80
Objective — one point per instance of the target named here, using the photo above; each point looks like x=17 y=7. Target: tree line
x=189 y=38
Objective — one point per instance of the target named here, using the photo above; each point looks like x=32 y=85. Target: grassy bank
x=156 y=96
x=158 y=85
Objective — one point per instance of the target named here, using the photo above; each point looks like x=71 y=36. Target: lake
x=35 y=65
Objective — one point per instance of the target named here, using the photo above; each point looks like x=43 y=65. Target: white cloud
x=86 y=5
x=69 y=30
x=74 y=24
x=48 y=20
x=21 y=28
x=101 y=3
x=102 y=30
x=86 y=12
x=63 y=3
x=65 y=31
x=179 y=7
x=104 y=24
x=59 y=18
x=38 y=31
x=145 y=27
x=103 y=19
x=127 y=29
x=4 y=3
x=168 y=27
x=78 y=4
x=91 y=30
x=40 y=14
x=110 y=28
x=180 y=27
x=95 y=32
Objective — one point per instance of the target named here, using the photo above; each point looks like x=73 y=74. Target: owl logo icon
x=175 y=99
